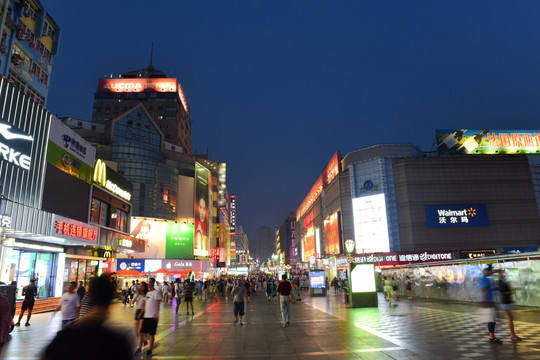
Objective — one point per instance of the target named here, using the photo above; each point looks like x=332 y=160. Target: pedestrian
x=150 y=317
x=488 y=301
x=269 y=290
x=139 y=299
x=88 y=338
x=239 y=293
x=408 y=287
x=284 y=299
x=165 y=289
x=81 y=290
x=335 y=285
x=274 y=291
x=69 y=304
x=507 y=304
x=133 y=291
x=5 y=320
x=29 y=292
x=178 y=294
x=125 y=294
x=388 y=289
x=189 y=288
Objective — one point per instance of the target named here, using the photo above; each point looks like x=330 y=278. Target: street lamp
x=349 y=246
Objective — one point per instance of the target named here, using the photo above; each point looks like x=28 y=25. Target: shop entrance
x=23 y=265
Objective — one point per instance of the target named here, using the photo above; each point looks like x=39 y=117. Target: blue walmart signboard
x=456 y=215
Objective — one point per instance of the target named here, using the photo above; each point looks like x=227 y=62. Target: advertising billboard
x=477 y=141
x=331 y=234
x=308 y=244
x=370 y=224
x=233 y=214
x=70 y=152
x=316 y=279
x=363 y=278
x=179 y=241
x=330 y=171
x=456 y=215
x=202 y=204
x=137 y=85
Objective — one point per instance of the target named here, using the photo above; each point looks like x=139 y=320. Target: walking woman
x=139 y=298
x=388 y=289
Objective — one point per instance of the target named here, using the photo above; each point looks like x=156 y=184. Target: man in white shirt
x=69 y=304
x=150 y=316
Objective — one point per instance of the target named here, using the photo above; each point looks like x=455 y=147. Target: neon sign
x=75 y=230
x=100 y=178
x=233 y=214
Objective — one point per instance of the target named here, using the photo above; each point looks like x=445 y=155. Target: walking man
x=29 y=292
x=284 y=299
x=70 y=303
x=150 y=316
x=488 y=301
x=239 y=294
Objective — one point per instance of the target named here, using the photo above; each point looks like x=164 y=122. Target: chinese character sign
x=73 y=230
x=455 y=215
x=370 y=224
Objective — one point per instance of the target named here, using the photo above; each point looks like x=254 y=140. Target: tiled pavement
x=321 y=328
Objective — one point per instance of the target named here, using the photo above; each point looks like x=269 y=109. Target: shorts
x=137 y=312
x=27 y=305
x=188 y=299
x=507 y=306
x=178 y=299
x=238 y=308
x=149 y=326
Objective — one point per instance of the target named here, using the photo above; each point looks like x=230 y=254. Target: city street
x=321 y=328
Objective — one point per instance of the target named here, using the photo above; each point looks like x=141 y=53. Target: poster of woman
x=202 y=204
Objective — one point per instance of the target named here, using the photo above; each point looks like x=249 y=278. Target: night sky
x=276 y=87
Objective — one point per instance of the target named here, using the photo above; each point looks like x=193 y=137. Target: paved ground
x=321 y=328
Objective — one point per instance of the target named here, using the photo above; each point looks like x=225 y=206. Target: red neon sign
x=330 y=172
x=76 y=230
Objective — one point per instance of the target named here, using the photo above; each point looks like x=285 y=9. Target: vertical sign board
x=202 y=204
x=363 y=288
x=179 y=241
x=233 y=214
x=24 y=128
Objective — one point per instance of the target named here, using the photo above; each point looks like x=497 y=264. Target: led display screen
x=308 y=244
x=316 y=279
x=331 y=234
x=163 y=239
x=370 y=224
x=202 y=206
x=484 y=141
x=363 y=278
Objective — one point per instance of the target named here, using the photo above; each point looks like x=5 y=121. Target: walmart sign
x=456 y=215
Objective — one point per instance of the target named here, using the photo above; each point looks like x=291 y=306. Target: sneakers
x=241 y=323
x=192 y=313
x=27 y=324
x=138 y=352
x=148 y=353
x=187 y=312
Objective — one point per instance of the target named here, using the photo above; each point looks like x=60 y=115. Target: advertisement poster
x=153 y=233
x=331 y=234
x=309 y=244
x=370 y=224
x=202 y=204
x=179 y=241
x=454 y=215
x=484 y=141
x=316 y=279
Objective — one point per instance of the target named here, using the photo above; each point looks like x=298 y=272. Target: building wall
x=502 y=183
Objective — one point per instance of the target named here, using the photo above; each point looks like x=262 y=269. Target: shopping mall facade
x=402 y=206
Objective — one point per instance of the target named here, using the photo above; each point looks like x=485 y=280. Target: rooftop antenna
x=151 y=54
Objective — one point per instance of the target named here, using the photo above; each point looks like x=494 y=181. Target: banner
x=69 y=163
x=202 y=204
x=331 y=234
x=309 y=244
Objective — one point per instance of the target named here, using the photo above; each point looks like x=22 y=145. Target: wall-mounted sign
x=473 y=254
x=126 y=243
x=397 y=259
x=5 y=221
x=476 y=141
x=107 y=178
x=456 y=215
x=330 y=172
x=137 y=85
x=308 y=220
x=233 y=214
x=130 y=264
x=74 y=230
x=15 y=146
x=179 y=265
x=370 y=224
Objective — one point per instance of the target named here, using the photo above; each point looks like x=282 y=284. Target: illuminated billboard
x=363 y=278
x=202 y=204
x=456 y=215
x=163 y=239
x=331 y=234
x=308 y=244
x=477 y=141
x=316 y=279
x=370 y=224
x=233 y=214
x=329 y=173
x=137 y=85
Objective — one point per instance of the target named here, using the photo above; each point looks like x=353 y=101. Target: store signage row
x=151 y=265
x=476 y=141
x=397 y=259
x=5 y=221
x=233 y=214
x=74 y=230
x=15 y=146
x=330 y=172
x=456 y=215
x=474 y=254
x=102 y=177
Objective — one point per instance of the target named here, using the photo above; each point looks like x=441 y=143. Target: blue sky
x=276 y=87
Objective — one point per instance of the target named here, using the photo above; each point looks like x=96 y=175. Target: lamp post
x=349 y=247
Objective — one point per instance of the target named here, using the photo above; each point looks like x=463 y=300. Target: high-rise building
x=264 y=246
x=161 y=96
x=29 y=41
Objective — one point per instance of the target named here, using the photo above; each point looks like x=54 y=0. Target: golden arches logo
x=100 y=172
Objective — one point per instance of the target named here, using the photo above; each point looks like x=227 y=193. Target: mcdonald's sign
x=107 y=178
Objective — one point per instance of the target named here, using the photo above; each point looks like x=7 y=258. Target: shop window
x=99 y=212
x=121 y=220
